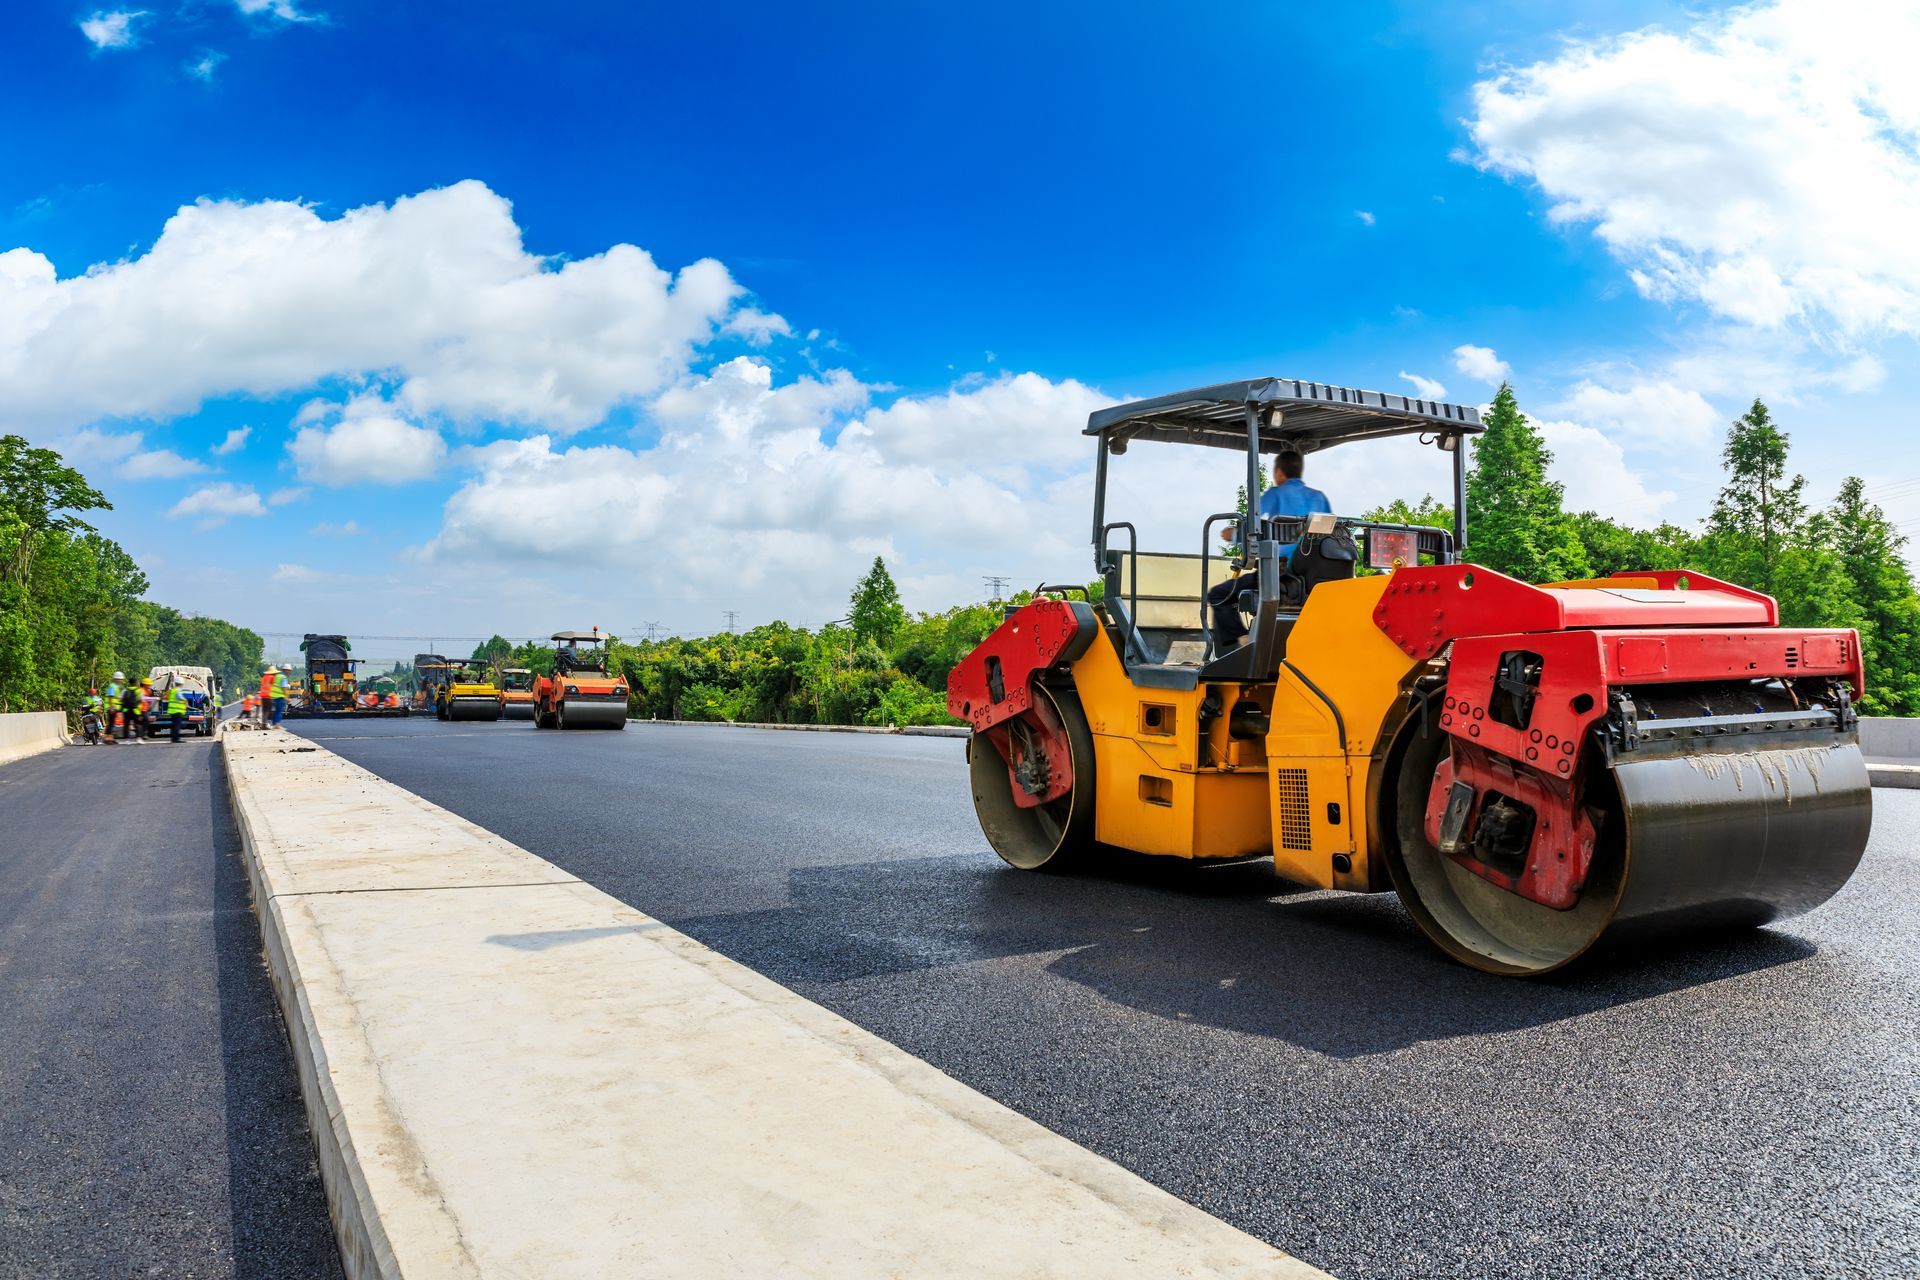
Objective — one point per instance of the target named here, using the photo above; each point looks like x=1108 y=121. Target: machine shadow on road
x=1233 y=947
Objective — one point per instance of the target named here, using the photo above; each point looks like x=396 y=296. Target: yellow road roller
x=1527 y=766
x=467 y=693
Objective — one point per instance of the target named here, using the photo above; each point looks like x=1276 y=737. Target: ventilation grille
x=1296 y=811
x=1793 y=656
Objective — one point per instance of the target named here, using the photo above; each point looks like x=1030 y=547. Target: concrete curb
x=1903 y=777
x=509 y=1073
x=905 y=731
x=28 y=733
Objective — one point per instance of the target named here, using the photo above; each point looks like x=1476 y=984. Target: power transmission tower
x=733 y=616
x=997 y=585
x=654 y=629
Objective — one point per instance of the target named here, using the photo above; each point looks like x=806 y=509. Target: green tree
x=1869 y=550
x=1612 y=547
x=1760 y=534
x=1515 y=521
x=876 y=613
x=1428 y=513
x=1760 y=512
x=494 y=655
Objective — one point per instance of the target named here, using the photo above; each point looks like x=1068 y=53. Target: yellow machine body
x=1297 y=794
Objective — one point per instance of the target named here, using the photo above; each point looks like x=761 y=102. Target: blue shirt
x=1293 y=499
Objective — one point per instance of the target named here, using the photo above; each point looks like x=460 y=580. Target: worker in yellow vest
x=176 y=708
x=278 y=691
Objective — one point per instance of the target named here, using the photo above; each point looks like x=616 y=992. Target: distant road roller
x=1527 y=767
x=580 y=693
x=467 y=693
x=516 y=694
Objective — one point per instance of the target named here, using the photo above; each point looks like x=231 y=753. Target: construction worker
x=176 y=708
x=131 y=705
x=275 y=688
x=110 y=703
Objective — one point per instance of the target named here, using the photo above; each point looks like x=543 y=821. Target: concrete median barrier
x=28 y=733
x=1892 y=747
x=511 y=1073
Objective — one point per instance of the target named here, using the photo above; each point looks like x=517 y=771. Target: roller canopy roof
x=594 y=636
x=1310 y=415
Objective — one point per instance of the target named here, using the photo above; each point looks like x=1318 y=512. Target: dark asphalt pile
x=150 y=1118
x=1302 y=1064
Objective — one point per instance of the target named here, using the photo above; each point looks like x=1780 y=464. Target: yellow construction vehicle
x=467 y=693
x=1527 y=766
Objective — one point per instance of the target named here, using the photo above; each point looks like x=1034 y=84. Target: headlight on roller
x=619 y=691
x=573 y=688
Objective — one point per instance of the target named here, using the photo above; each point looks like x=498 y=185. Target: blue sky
x=385 y=241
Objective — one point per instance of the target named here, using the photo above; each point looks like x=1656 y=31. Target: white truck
x=202 y=688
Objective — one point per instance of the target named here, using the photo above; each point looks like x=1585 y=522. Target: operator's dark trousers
x=1229 y=629
x=176 y=719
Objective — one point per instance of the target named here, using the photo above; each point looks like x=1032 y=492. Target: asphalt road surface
x=1301 y=1064
x=150 y=1118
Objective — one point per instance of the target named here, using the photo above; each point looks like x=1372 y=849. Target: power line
x=733 y=616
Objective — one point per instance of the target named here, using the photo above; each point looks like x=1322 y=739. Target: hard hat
x=273 y=671
x=119 y=675
x=146 y=680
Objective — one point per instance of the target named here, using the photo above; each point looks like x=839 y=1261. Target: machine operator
x=1292 y=498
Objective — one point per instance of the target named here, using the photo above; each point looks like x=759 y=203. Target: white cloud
x=328 y=529
x=1594 y=471
x=1480 y=363
x=754 y=486
x=1427 y=388
x=216 y=503
x=159 y=464
x=111 y=28
x=285 y=10
x=1658 y=413
x=286 y=497
x=1764 y=162
x=368 y=443
x=92 y=445
x=300 y=575
x=203 y=67
x=235 y=441
x=1364 y=216
x=435 y=292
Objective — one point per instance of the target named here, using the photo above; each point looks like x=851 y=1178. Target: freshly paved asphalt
x=1302 y=1064
x=150 y=1119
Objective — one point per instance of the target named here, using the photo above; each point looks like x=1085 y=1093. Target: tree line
x=71 y=611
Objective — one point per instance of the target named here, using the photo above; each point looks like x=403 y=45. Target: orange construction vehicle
x=580 y=693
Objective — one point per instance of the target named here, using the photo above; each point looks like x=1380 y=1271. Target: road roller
x=1528 y=767
x=580 y=692
x=516 y=693
x=467 y=693
x=331 y=688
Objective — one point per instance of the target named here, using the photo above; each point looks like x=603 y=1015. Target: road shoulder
x=511 y=1072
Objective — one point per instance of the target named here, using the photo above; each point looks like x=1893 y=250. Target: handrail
x=1133 y=587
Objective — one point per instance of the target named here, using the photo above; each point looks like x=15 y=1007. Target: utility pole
x=997 y=585
x=733 y=616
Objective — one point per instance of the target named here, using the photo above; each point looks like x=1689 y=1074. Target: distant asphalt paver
x=1301 y=1064
x=150 y=1118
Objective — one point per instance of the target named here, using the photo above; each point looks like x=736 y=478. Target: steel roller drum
x=1742 y=837
x=474 y=709
x=593 y=715
x=1691 y=839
